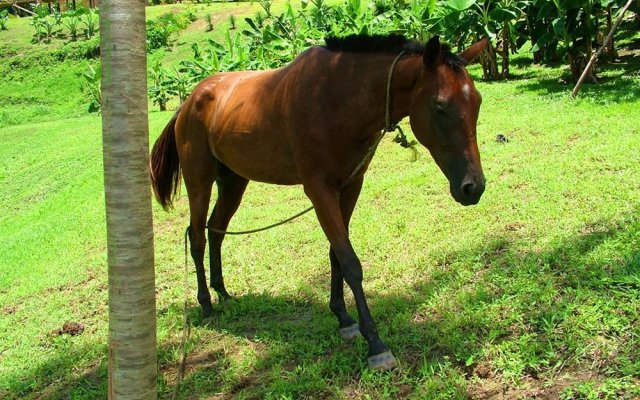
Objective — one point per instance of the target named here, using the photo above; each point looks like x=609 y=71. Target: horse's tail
x=165 y=165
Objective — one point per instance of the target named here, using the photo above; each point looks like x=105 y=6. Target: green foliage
x=209 y=21
x=4 y=18
x=271 y=39
x=160 y=89
x=567 y=29
x=41 y=10
x=46 y=27
x=90 y=20
x=91 y=87
x=160 y=29
x=72 y=24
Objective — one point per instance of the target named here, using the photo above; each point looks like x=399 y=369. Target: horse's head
x=444 y=114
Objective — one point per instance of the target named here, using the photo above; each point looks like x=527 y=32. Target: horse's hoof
x=207 y=311
x=350 y=332
x=383 y=361
x=225 y=299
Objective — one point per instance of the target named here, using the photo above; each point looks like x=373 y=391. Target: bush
x=90 y=21
x=72 y=23
x=4 y=17
x=209 y=22
x=45 y=27
x=159 y=30
x=88 y=49
x=160 y=90
x=91 y=87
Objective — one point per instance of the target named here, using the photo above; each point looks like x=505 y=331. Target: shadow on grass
x=444 y=321
x=299 y=353
x=609 y=89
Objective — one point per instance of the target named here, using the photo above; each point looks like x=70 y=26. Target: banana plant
x=466 y=21
x=160 y=89
x=4 y=17
x=91 y=87
x=566 y=30
x=180 y=84
x=412 y=18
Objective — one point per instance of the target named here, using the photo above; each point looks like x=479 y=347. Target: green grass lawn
x=534 y=292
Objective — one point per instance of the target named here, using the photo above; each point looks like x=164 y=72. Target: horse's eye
x=440 y=106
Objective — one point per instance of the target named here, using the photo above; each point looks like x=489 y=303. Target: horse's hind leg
x=231 y=187
x=199 y=178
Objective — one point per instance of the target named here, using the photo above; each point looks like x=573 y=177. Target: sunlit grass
x=534 y=290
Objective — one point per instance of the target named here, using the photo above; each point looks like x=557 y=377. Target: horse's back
x=233 y=117
x=254 y=121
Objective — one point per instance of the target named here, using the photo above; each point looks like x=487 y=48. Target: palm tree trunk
x=132 y=317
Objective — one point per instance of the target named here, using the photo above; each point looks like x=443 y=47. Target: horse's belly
x=257 y=156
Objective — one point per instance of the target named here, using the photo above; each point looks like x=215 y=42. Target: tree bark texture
x=132 y=313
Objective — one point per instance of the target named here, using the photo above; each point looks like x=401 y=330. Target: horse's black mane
x=392 y=43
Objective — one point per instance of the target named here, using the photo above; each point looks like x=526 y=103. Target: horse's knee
x=197 y=245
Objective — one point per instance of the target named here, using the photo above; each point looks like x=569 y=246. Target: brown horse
x=316 y=122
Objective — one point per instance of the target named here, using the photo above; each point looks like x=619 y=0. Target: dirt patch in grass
x=8 y=309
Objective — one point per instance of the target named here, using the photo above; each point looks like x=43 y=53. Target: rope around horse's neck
x=388 y=127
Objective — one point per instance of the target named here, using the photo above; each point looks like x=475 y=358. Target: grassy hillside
x=534 y=292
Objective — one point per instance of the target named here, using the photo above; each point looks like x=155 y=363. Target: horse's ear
x=474 y=51
x=432 y=52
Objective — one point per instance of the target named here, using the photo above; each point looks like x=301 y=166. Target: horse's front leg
x=349 y=329
x=326 y=201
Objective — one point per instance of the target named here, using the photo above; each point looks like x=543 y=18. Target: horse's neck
x=374 y=74
x=403 y=83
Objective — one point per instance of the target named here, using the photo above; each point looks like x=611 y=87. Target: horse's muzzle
x=470 y=191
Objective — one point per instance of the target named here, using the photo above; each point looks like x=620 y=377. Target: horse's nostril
x=468 y=189
x=472 y=189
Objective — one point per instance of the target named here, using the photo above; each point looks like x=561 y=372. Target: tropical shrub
x=209 y=21
x=160 y=29
x=160 y=89
x=72 y=23
x=566 y=30
x=558 y=30
x=90 y=21
x=46 y=27
x=91 y=87
x=4 y=17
